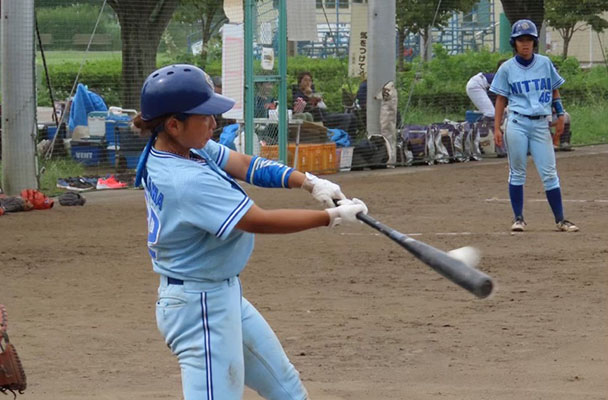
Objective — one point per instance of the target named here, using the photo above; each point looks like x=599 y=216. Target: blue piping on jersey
x=207 y=345
x=232 y=216
x=220 y=156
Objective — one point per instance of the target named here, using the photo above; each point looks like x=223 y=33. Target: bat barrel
x=467 y=277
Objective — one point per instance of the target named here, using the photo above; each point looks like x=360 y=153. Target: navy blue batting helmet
x=181 y=89
x=523 y=27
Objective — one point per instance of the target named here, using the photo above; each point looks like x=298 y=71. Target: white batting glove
x=323 y=190
x=346 y=211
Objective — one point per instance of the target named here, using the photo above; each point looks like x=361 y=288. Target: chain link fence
x=83 y=54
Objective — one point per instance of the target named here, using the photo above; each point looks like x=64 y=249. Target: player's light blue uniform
x=222 y=342
x=529 y=92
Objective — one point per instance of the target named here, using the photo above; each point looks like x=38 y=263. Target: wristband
x=559 y=107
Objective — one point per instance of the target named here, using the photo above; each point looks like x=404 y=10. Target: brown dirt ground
x=359 y=317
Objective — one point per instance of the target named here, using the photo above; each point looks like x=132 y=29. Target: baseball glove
x=72 y=199
x=12 y=376
x=15 y=203
x=37 y=198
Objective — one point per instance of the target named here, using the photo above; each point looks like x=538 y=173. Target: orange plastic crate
x=314 y=158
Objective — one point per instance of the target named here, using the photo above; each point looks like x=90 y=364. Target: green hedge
x=439 y=86
x=62 y=23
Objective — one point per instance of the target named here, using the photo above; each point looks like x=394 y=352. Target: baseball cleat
x=519 y=225
x=566 y=226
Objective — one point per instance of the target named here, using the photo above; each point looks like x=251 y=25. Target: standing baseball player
x=529 y=83
x=201 y=225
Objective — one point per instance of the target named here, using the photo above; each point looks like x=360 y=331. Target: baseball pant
x=522 y=135
x=222 y=343
x=477 y=90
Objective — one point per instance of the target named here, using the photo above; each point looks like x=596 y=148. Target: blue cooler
x=89 y=153
x=472 y=116
x=113 y=122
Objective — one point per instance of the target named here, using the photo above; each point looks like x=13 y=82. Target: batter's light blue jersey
x=528 y=88
x=193 y=207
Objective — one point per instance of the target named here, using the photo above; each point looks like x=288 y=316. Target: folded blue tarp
x=83 y=103
x=339 y=136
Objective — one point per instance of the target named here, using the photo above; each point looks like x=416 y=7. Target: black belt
x=530 y=116
x=173 y=281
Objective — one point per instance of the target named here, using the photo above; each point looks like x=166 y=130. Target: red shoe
x=110 y=183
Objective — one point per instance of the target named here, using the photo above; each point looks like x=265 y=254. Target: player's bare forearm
x=296 y=179
x=501 y=103
x=555 y=94
x=258 y=220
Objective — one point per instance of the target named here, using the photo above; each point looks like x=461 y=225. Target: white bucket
x=97 y=123
x=346 y=158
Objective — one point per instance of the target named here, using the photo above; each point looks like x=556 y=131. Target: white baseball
x=468 y=255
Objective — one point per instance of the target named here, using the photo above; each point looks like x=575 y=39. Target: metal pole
x=19 y=128
x=249 y=85
x=283 y=82
x=381 y=61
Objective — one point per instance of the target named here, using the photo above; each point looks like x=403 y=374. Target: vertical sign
x=233 y=68
x=357 y=58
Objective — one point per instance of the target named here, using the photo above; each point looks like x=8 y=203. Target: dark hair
x=147 y=127
x=302 y=75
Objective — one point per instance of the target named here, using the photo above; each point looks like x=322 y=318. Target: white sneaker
x=566 y=226
x=519 y=225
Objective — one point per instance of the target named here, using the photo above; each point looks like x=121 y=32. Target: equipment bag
x=417 y=145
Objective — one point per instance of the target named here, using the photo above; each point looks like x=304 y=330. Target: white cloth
x=477 y=90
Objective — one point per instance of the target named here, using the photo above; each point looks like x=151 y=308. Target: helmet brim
x=216 y=104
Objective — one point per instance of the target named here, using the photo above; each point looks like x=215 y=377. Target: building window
x=319 y=3
x=330 y=3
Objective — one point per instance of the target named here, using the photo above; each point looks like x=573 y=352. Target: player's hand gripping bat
x=454 y=269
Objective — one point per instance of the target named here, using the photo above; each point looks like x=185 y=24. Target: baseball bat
x=460 y=273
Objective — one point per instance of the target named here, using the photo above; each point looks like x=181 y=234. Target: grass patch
x=589 y=123
x=58 y=168
x=56 y=57
x=419 y=116
x=54 y=169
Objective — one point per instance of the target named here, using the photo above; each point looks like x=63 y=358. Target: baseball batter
x=529 y=83
x=201 y=232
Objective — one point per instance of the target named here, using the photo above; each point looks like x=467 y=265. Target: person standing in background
x=529 y=83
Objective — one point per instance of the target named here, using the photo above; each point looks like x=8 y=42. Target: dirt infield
x=359 y=317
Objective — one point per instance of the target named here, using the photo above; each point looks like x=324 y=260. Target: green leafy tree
x=533 y=10
x=209 y=14
x=419 y=16
x=568 y=16
x=142 y=24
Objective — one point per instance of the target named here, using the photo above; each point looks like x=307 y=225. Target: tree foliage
x=142 y=24
x=569 y=16
x=418 y=16
x=208 y=13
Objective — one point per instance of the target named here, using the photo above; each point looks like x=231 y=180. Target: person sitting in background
x=306 y=100
x=362 y=95
x=264 y=100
